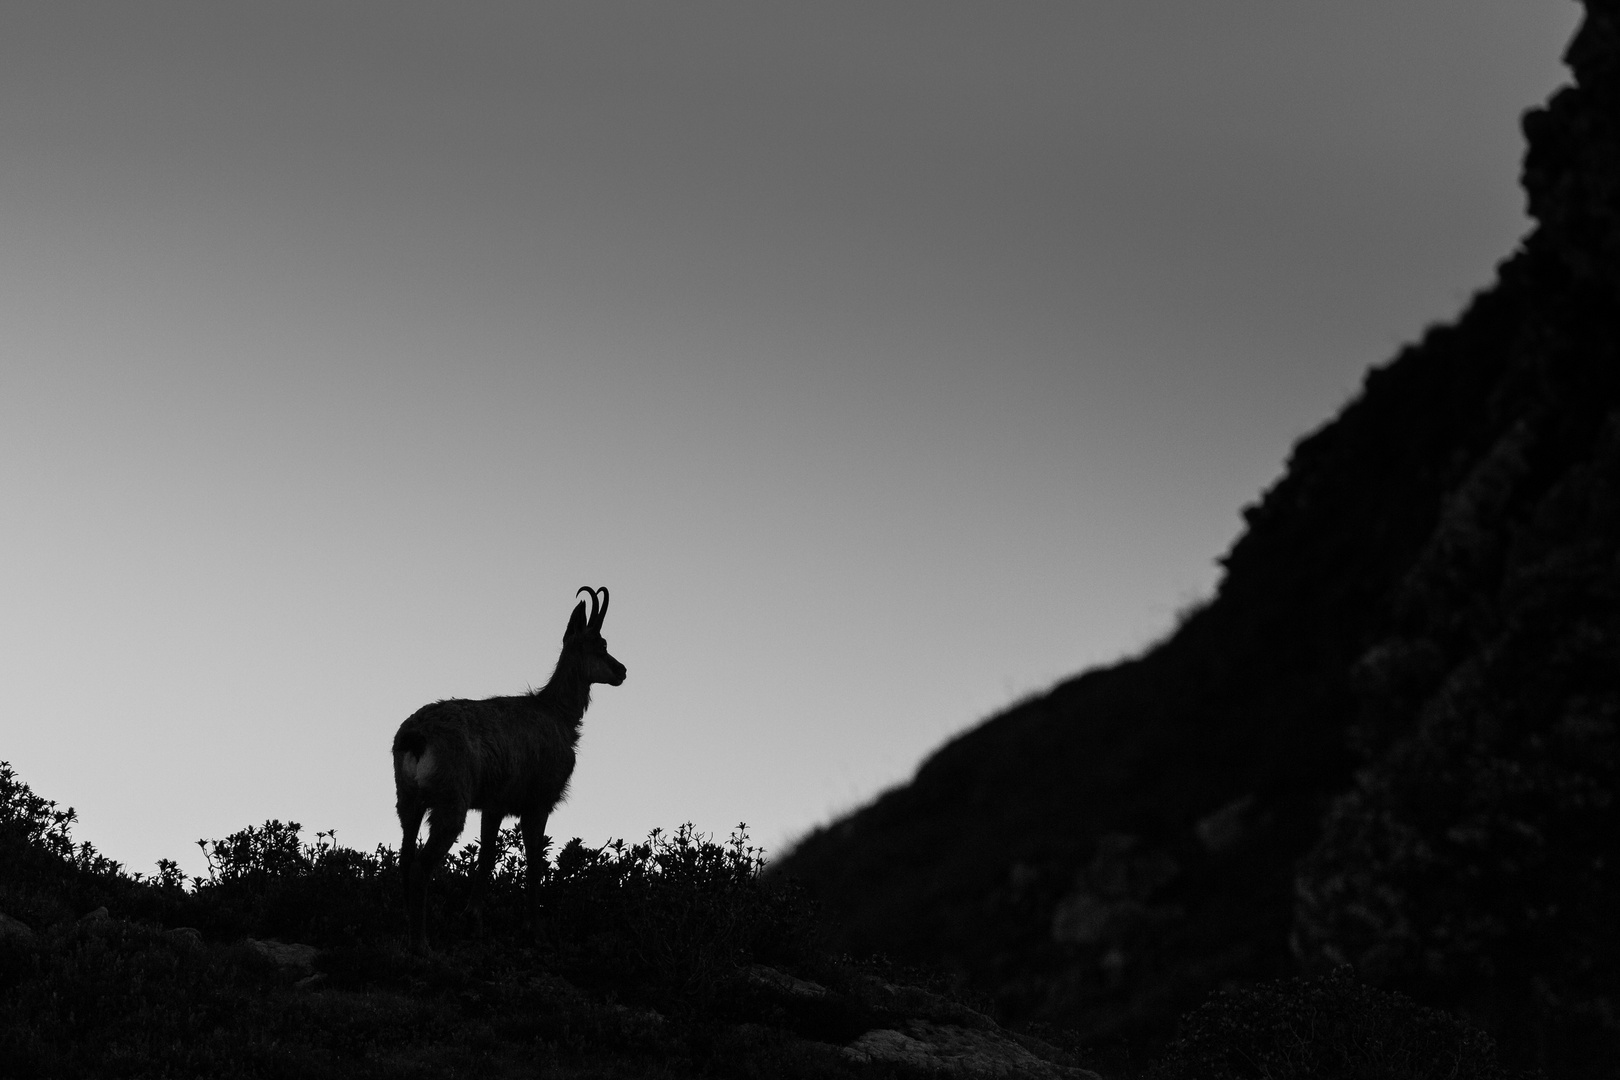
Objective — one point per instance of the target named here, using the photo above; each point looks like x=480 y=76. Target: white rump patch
x=417 y=768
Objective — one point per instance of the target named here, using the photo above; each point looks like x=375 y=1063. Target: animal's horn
x=596 y=620
x=592 y=621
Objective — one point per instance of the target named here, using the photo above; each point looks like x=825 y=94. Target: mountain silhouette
x=1389 y=740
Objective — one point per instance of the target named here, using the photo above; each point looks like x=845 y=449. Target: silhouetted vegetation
x=673 y=956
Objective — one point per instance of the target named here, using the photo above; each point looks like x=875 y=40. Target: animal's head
x=584 y=635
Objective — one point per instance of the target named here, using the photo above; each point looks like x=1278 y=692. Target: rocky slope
x=1391 y=737
x=168 y=1002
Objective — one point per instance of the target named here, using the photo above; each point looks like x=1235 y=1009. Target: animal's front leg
x=533 y=825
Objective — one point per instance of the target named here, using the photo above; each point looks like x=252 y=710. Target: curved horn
x=592 y=621
x=596 y=620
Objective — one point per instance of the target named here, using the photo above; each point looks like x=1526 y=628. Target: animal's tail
x=413 y=759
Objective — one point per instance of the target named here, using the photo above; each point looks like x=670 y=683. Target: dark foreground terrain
x=669 y=958
x=1389 y=741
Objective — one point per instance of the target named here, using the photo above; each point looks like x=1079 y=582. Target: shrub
x=44 y=876
x=686 y=907
x=28 y=821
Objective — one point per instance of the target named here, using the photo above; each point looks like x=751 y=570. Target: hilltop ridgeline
x=1391 y=737
x=667 y=958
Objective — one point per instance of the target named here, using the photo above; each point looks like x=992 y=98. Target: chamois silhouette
x=505 y=756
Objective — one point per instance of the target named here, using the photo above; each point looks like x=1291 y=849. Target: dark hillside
x=1389 y=739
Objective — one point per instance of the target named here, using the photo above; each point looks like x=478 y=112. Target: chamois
x=504 y=756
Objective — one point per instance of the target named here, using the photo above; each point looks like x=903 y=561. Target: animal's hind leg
x=444 y=825
x=410 y=809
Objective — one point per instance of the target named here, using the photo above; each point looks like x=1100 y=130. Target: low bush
x=674 y=913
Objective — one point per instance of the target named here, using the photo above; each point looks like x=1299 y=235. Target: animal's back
x=501 y=753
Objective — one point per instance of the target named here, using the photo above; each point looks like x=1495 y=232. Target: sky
x=889 y=362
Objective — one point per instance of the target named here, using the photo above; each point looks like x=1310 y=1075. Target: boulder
x=955 y=1051
x=187 y=936
x=781 y=984
x=289 y=958
x=917 y=1003
x=15 y=930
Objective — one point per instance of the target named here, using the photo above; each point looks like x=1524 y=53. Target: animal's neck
x=568 y=693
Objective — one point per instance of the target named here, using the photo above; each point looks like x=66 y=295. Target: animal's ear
x=576 y=622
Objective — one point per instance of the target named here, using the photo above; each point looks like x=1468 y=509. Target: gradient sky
x=888 y=361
